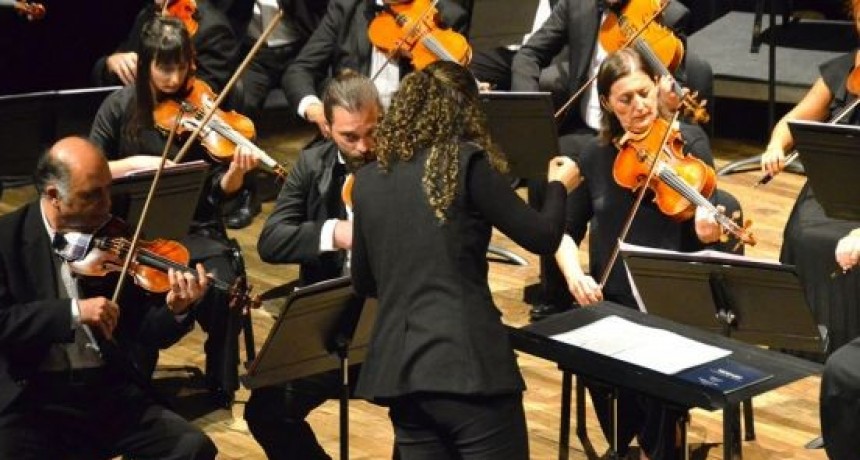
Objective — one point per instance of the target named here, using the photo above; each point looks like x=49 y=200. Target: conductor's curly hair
x=436 y=108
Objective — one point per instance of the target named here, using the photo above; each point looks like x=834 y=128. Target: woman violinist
x=810 y=240
x=630 y=100
x=124 y=128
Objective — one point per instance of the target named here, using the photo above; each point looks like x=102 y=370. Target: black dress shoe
x=545 y=310
x=245 y=213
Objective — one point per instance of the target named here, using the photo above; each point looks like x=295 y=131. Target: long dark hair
x=436 y=108
x=164 y=41
x=615 y=67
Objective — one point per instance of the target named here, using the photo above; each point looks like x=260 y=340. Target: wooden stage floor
x=785 y=419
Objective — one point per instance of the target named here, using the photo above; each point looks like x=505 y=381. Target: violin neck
x=237 y=138
x=692 y=195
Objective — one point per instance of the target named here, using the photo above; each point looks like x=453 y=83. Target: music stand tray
x=831 y=156
x=523 y=125
x=173 y=204
x=751 y=300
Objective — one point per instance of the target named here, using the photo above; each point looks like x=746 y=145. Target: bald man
x=67 y=385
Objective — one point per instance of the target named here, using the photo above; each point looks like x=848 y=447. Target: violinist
x=311 y=226
x=574 y=25
x=810 y=237
x=67 y=385
x=341 y=41
x=217 y=50
x=630 y=101
x=124 y=128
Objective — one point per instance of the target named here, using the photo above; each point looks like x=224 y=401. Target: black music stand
x=324 y=326
x=523 y=125
x=758 y=302
x=31 y=122
x=173 y=204
x=831 y=154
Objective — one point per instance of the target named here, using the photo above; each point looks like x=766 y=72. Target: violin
x=33 y=11
x=185 y=11
x=222 y=133
x=635 y=25
x=852 y=84
x=150 y=263
x=413 y=28
x=680 y=182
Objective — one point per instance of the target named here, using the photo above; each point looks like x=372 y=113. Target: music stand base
x=508 y=256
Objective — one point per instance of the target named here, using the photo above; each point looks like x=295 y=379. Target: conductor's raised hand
x=564 y=170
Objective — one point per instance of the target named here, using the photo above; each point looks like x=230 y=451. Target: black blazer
x=215 y=45
x=573 y=23
x=340 y=41
x=292 y=232
x=32 y=317
x=305 y=14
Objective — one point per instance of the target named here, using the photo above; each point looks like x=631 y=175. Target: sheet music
x=656 y=349
x=706 y=255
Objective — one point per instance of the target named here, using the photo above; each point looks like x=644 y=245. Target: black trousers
x=264 y=73
x=221 y=323
x=840 y=403
x=436 y=426
x=276 y=414
x=67 y=418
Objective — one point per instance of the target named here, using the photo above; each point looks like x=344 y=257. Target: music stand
x=324 y=326
x=523 y=125
x=26 y=130
x=831 y=156
x=173 y=204
x=75 y=109
x=754 y=301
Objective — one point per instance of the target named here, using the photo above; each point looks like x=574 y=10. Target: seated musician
x=340 y=42
x=125 y=129
x=630 y=103
x=310 y=226
x=810 y=236
x=840 y=382
x=216 y=45
x=68 y=388
x=574 y=27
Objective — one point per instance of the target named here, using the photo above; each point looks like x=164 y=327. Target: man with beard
x=312 y=226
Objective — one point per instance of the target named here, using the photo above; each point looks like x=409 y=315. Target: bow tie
x=72 y=246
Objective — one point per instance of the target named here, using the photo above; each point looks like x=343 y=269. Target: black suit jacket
x=292 y=232
x=573 y=23
x=305 y=14
x=340 y=42
x=215 y=46
x=33 y=317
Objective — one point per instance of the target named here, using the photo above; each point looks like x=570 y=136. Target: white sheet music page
x=656 y=349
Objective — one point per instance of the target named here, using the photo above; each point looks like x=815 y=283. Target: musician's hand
x=484 y=87
x=564 y=170
x=124 y=66
x=243 y=162
x=585 y=290
x=848 y=250
x=707 y=228
x=343 y=234
x=99 y=313
x=315 y=114
x=185 y=289
x=772 y=160
x=668 y=98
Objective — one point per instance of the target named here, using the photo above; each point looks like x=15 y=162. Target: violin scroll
x=32 y=11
